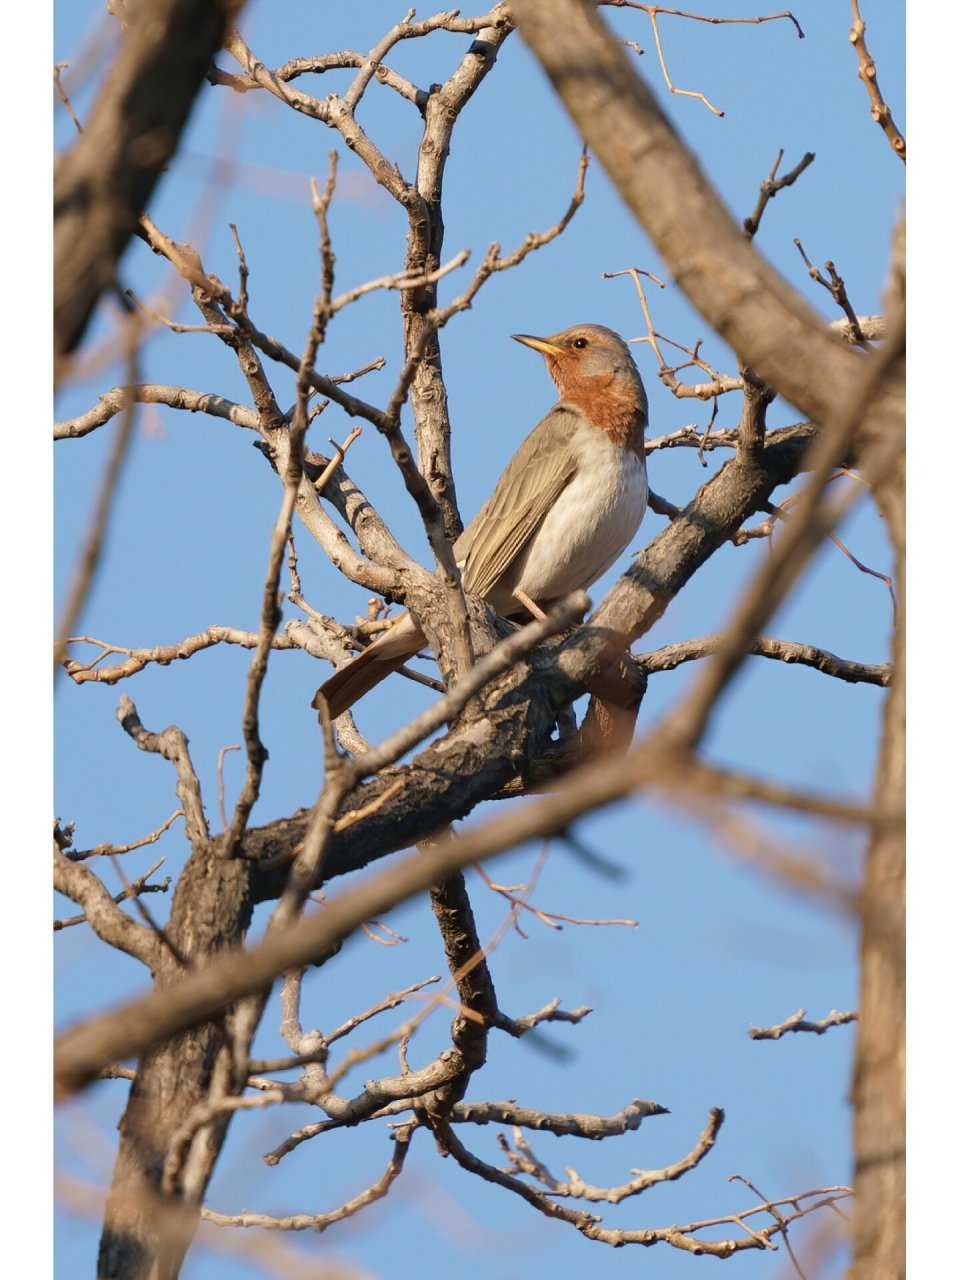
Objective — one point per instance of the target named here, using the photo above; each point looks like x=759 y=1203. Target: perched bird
x=569 y=501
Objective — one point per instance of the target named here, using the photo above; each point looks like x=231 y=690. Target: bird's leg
x=528 y=604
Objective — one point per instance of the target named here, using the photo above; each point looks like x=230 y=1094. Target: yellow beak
x=538 y=344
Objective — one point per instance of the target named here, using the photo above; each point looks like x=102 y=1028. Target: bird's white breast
x=591 y=522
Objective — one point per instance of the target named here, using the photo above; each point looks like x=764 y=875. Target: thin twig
x=769 y=188
x=113 y=850
x=719 y=383
x=320 y=1221
x=62 y=66
x=837 y=290
x=549 y=918
x=91 y=548
x=652 y=10
x=798 y=1022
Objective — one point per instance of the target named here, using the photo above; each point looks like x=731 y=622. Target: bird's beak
x=538 y=344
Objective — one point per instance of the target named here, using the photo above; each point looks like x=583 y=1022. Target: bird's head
x=595 y=371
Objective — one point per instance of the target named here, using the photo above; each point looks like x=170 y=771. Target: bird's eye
x=579 y=343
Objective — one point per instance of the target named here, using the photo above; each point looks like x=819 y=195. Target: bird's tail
x=379 y=660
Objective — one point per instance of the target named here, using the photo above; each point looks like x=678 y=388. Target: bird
x=564 y=509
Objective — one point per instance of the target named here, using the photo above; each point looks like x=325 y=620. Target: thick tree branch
x=105 y=180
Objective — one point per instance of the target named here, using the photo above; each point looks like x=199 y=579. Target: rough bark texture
x=148 y=1230
x=103 y=183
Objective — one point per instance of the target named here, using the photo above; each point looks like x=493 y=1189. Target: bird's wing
x=535 y=477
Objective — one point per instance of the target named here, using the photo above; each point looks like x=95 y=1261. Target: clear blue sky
x=718 y=947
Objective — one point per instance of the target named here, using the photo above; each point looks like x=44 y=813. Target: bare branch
x=868 y=74
x=689 y=438
x=320 y=1221
x=317 y=66
x=83 y=1050
x=270 y=615
x=551 y=1011
x=320 y=1054
x=807 y=655
x=719 y=383
x=798 y=1022
x=709 y=18
x=575 y=1124
x=837 y=290
x=503 y=726
x=112 y=402
x=62 y=66
x=652 y=10
x=100 y=909
x=172 y=745
x=91 y=548
x=679 y=1237
x=137 y=659
x=187 y=262
x=399 y=282
x=523 y=1161
x=769 y=188
x=133 y=890
x=506 y=654
x=550 y=918
x=107 y=177
x=873 y=328
x=113 y=850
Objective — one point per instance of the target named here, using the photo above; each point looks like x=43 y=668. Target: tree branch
x=807 y=655
x=100 y=909
x=867 y=71
x=798 y=1022
x=107 y=177
x=172 y=745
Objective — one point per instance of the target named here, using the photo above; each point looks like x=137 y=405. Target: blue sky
x=718 y=947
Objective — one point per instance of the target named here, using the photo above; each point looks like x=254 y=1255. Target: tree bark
x=148 y=1228
x=103 y=183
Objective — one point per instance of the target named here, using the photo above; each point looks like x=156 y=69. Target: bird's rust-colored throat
x=611 y=403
